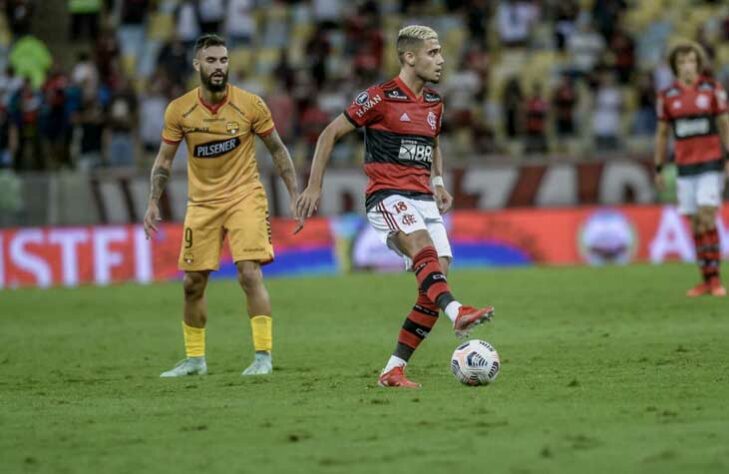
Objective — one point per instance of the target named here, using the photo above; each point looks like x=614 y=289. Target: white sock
x=393 y=362
x=452 y=310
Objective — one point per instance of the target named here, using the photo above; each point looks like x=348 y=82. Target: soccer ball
x=475 y=363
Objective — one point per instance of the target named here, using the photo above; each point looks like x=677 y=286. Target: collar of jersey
x=696 y=83
x=214 y=108
x=406 y=89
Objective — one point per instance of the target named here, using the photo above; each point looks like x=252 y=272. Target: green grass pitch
x=604 y=370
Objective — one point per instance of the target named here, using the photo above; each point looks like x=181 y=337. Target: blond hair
x=411 y=37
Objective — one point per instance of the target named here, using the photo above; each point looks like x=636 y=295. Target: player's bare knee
x=194 y=285
x=249 y=277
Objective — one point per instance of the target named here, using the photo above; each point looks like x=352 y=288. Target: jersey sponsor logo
x=431 y=97
x=368 y=105
x=405 y=117
x=691 y=127
x=217 y=148
x=432 y=120
x=702 y=101
x=362 y=98
x=396 y=94
x=196 y=130
x=411 y=150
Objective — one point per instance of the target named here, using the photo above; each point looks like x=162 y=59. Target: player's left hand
x=443 y=199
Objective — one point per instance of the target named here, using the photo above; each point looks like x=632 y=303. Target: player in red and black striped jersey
x=401 y=120
x=695 y=108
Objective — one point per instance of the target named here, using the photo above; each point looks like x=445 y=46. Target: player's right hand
x=660 y=182
x=308 y=202
x=151 y=217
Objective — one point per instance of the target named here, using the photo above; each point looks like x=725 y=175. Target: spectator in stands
x=622 y=48
x=240 y=25
x=211 y=14
x=313 y=121
x=460 y=91
x=19 y=14
x=512 y=100
x=283 y=111
x=55 y=120
x=283 y=72
x=515 y=21
x=10 y=84
x=106 y=55
x=173 y=61
x=606 y=113
x=84 y=19
x=25 y=137
x=86 y=75
x=318 y=49
x=327 y=13
x=606 y=15
x=477 y=15
x=187 y=23
x=122 y=116
x=644 y=120
x=31 y=58
x=565 y=17
x=89 y=124
x=585 y=47
x=564 y=100
x=6 y=158
x=536 y=121
x=132 y=24
x=151 y=114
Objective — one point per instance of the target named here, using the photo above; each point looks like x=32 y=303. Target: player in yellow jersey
x=218 y=122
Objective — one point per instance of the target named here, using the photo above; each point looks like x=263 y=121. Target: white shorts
x=703 y=189
x=402 y=214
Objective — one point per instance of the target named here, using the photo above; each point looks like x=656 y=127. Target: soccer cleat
x=470 y=317
x=189 y=366
x=262 y=365
x=699 y=290
x=716 y=288
x=396 y=378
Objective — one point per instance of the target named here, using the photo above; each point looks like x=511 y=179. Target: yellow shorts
x=246 y=223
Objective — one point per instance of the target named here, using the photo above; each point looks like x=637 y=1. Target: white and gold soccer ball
x=475 y=362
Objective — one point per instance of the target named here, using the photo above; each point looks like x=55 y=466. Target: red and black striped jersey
x=692 y=112
x=400 y=132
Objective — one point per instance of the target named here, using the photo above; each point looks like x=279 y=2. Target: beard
x=207 y=82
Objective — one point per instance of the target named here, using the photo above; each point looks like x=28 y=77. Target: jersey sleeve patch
x=366 y=108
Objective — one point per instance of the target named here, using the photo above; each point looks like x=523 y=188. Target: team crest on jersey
x=188 y=258
x=702 y=101
x=232 y=127
x=432 y=120
x=362 y=98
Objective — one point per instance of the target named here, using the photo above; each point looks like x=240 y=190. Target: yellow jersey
x=221 y=162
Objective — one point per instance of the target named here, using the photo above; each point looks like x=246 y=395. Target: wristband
x=659 y=167
x=437 y=181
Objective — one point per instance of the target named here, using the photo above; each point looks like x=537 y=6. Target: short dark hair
x=684 y=47
x=208 y=40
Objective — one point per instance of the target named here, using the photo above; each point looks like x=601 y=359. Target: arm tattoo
x=285 y=168
x=160 y=176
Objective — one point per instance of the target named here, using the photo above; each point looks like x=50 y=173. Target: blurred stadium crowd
x=523 y=78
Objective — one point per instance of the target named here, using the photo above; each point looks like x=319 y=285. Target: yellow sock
x=194 y=340
x=262 y=331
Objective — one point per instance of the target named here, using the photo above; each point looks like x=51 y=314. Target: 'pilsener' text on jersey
x=221 y=163
x=692 y=112
x=400 y=133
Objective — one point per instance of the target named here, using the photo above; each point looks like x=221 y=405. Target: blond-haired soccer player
x=226 y=198
x=405 y=195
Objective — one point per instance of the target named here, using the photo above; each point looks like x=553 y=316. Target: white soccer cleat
x=189 y=366
x=262 y=365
